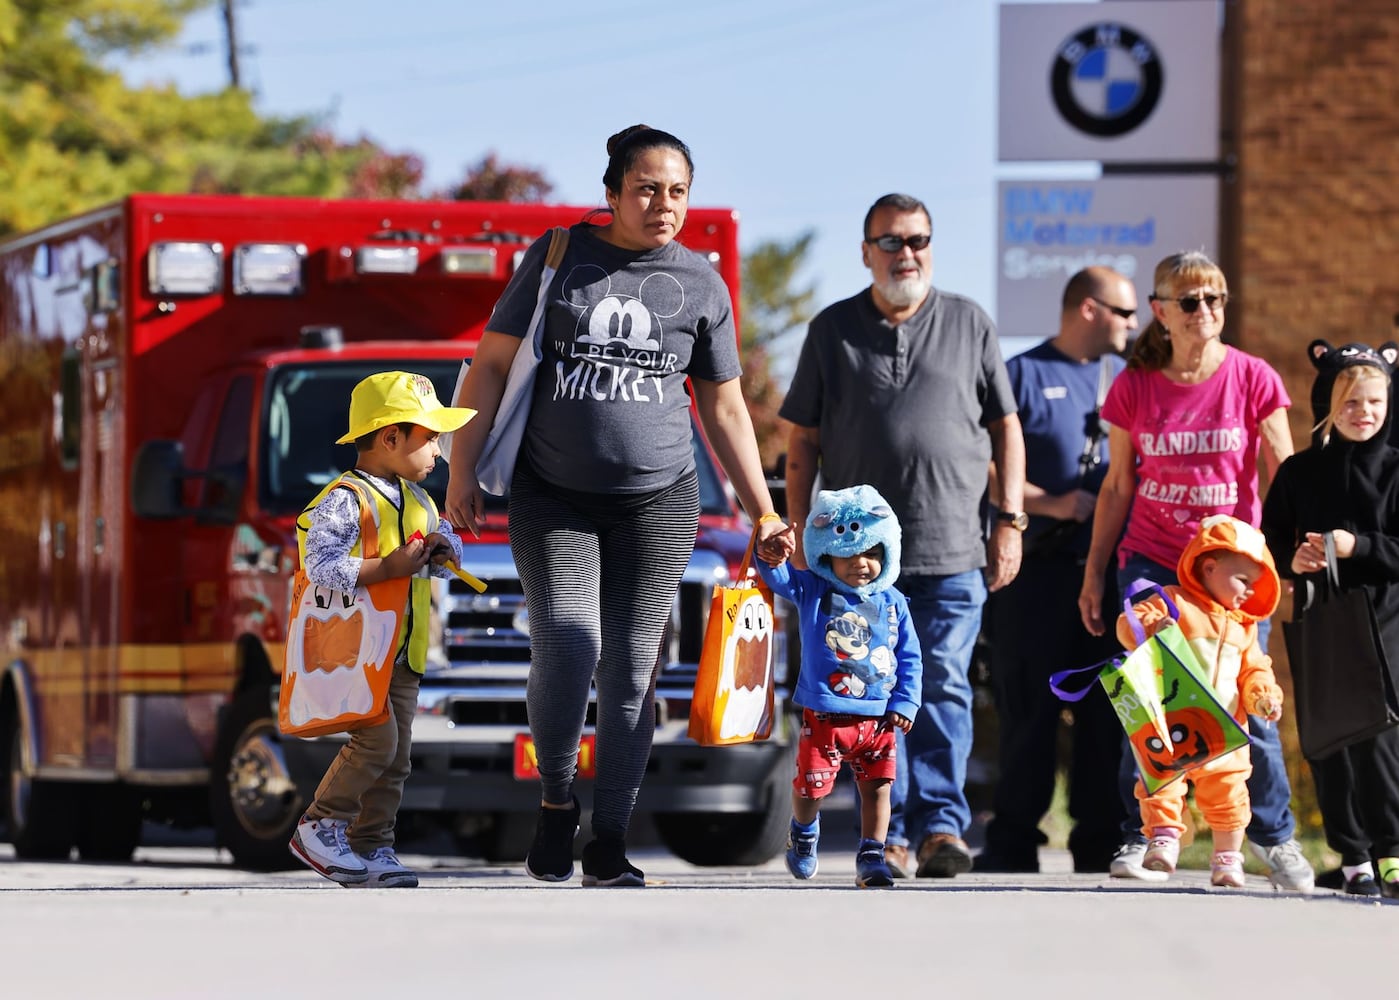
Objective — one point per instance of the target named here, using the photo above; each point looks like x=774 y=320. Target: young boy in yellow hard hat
x=347 y=833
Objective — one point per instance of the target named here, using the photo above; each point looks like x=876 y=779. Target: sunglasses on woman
x=1190 y=303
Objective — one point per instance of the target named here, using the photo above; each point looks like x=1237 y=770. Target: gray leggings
x=600 y=573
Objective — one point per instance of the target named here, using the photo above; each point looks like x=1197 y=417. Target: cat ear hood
x=846 y=523
x=1330 y=361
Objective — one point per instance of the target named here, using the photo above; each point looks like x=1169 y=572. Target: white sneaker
x=386 y=871
x=1127 y=863
x=1288 y=868
x=322 y=845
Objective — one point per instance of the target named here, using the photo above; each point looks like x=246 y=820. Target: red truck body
x=175 y=369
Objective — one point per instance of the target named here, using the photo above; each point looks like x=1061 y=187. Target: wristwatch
x=1017 y=519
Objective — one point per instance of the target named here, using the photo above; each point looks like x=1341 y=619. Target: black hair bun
x=617 y=139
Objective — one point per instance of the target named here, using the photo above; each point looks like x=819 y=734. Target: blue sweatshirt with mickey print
x=860 y=654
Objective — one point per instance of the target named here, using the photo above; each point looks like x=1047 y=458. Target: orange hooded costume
x=1226 y=642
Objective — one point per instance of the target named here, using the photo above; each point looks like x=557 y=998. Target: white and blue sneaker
x=386 y=871
x=801 y=849
x=322 y=846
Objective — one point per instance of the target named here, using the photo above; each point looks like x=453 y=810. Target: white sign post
x=1118 y=82
x=1048 y=230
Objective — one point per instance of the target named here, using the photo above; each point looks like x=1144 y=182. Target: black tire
x=111 y=822
x=41 y=816
x=252 y=798
x=710 y=839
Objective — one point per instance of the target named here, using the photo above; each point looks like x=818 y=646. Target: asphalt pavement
x=181 y=922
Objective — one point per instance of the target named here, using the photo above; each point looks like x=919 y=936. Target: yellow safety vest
x=419 y=514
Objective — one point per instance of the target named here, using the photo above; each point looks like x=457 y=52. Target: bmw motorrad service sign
x=1119 y=82
x=1049 y=230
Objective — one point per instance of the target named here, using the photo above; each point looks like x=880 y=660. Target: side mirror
x=223 y=495
x=157 y=475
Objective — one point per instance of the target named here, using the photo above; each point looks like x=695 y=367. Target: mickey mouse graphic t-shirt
x=623 y=329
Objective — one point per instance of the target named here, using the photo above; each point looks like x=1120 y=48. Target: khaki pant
x=364 y=783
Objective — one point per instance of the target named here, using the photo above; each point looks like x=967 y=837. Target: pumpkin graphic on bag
x=1196 y=737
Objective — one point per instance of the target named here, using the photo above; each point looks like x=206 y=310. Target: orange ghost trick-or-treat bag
x=340 y=648
x=733 y=700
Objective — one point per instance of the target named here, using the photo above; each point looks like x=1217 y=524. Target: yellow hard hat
x=389 y=398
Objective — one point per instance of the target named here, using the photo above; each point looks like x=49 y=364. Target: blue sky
x=799 y=112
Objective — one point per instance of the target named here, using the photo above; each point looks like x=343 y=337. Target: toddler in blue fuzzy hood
x=861 y=669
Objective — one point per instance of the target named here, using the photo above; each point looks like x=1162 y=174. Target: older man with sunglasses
x=903 y=387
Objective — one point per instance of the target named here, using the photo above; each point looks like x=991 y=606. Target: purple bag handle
x=1056 y=680
x=1144 y=586
x=1140 y=586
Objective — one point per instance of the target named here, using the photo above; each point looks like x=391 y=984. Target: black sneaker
x=550 y=857
x=605 y=864
x=1363 y=884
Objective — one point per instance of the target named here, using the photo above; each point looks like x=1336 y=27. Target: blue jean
x=1269 y=791
x=928 y=794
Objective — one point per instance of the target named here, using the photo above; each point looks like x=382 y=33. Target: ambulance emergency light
x=386 y=260
x=468 y=261
x=269 y=268
x=184 y=268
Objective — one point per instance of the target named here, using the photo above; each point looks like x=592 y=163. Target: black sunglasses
x=890 y=243
x=1118 y=311
x=1189 y=303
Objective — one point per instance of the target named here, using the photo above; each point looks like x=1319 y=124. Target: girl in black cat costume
x=1347 y=484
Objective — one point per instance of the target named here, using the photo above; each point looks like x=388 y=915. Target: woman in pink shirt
x=1188 y=420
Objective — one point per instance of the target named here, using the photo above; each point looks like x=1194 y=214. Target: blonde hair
x=1346 y=382
x=1152 y=350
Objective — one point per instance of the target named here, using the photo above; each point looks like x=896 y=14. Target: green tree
x=773 y=303
x=73 y=135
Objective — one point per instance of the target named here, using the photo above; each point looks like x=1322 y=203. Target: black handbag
x=1343 y=688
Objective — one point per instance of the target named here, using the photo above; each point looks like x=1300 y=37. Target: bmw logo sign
x=1106 y=80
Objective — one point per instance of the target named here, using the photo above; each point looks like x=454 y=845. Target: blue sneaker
x=871 y=870
x=801 y=849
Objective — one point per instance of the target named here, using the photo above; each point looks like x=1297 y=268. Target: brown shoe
x=896 y=857
x=943 y=855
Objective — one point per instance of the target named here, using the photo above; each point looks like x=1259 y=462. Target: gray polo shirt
x=610 y=413
x=905 y=408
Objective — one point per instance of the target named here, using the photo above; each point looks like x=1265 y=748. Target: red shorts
x=865 y=741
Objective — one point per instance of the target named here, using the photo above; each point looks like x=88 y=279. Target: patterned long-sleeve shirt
x=334 y=532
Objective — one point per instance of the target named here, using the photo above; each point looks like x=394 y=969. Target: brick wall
x=1311 y=216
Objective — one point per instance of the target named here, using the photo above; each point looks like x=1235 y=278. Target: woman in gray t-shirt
x=604 y=503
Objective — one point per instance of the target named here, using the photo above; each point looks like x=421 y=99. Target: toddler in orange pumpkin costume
x=1228 y=583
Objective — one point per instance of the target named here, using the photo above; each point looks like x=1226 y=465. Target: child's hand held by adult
x=776 y=540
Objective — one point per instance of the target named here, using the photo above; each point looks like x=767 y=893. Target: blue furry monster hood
x=846 y=523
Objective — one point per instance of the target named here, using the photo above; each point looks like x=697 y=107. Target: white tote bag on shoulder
x=496 y=465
